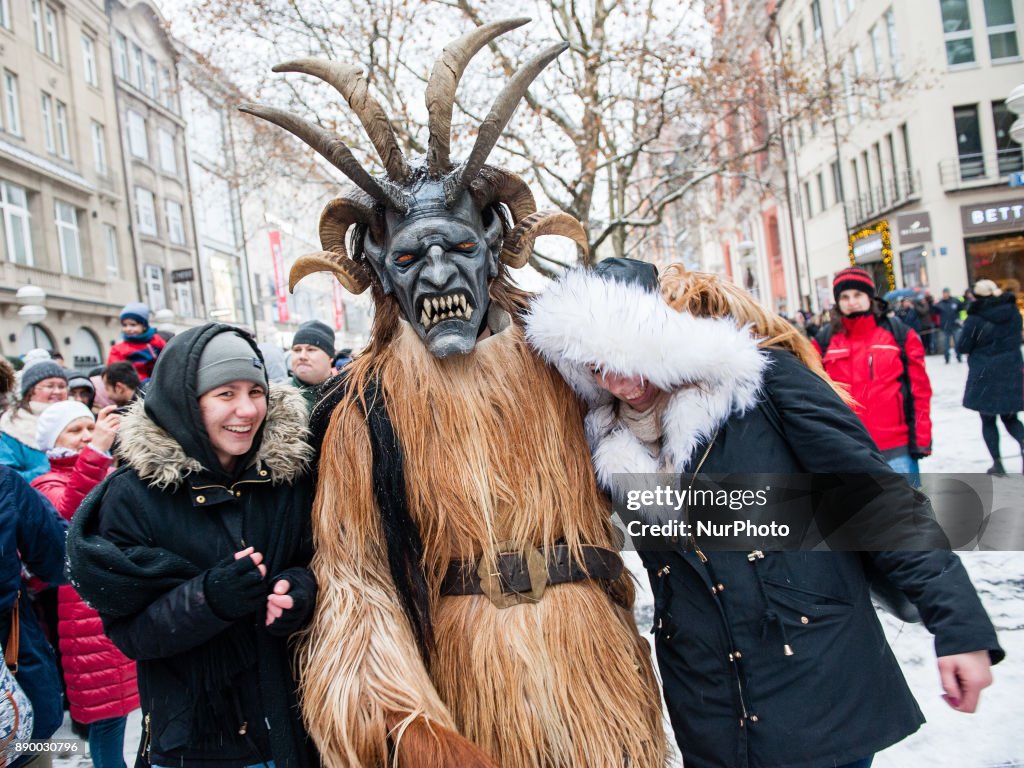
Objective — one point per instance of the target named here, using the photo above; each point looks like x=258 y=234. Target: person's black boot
x=996 y=469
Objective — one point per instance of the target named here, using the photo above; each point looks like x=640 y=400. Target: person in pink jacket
x=99 y=679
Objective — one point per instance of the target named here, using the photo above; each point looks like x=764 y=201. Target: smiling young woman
x=196 y=554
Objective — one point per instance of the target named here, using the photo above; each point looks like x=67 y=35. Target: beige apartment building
x=64 y=228
x=914 y=183
x=155 y=160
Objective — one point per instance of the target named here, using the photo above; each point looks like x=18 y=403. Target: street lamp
x=32 y=311
x=30 y=294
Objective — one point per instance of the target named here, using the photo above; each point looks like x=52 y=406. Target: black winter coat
x=213 y=692
x=735 y=697
x=992 y=336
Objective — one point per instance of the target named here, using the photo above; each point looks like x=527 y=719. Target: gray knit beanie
x=228 y=357
x=38 y=372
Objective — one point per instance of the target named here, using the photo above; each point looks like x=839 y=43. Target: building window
x=52 y=40
x=956 y=28
x=89 y=60
x=37 y=26
x=137 y=142
x=175 y=226
x=67 y=238
x=121 y=55
x=110 y=245
x=138 y=75
x=821 y=191
x=858 y=72
x=894 y=46
x=837 y=182
x=153 y=276
x=5 y=14
x=851 y=6
x=168 y=159
x=808 y=202
x=968 y=141
x=875 y=36
x=816 y=18
x=47 y=110
x=166 y=88
x=837 y=7
x=151 y=77
x=11 y=103
x=848 y=93
x=1002 y=30
x=1007 y=150
x=16 y=219
x=145 y=211
x=801 y=36
x=63 y=140
x=99 y=148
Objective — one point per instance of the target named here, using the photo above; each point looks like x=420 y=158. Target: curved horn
x=354 y=277
x=348 y=80
x=328 y=145
x=444 y=79
x=496 y=185
x=498 y=117
x=517 y=247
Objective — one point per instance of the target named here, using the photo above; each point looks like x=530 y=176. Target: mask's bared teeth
x=469 y=313
x=425 y=319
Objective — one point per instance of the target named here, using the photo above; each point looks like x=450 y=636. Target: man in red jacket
x=863 y=351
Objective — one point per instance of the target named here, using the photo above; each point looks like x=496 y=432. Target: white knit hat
x=55 y=420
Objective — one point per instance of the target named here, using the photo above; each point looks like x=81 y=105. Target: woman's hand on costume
x=291 y=602
x=236 y=587
x=963 y=676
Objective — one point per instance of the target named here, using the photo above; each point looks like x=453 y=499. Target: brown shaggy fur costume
x=494 y=450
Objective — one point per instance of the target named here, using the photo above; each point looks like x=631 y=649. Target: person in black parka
x=196 y=553
x=770 y=658
x=991 y=336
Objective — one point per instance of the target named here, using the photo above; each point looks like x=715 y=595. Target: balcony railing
x=979 y=169
x=894 y=192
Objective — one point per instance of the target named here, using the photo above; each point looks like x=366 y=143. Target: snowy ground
x=987 y=739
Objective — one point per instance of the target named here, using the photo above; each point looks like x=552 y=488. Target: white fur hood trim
x=159 y=460
x=712 y=368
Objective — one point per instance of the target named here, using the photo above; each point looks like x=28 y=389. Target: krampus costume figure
x=473 y=611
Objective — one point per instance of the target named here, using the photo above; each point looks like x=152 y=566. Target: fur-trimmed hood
x=711 y=368
x=160 y=461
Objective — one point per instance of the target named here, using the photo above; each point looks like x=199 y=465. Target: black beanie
x=316 y=334
x=852 y=278
x=628 y=271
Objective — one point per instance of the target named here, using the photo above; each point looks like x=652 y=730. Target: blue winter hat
x=136 y=311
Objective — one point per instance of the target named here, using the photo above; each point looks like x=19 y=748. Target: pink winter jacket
x=100 y=680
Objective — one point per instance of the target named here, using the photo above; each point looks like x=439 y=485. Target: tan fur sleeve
x=362 y=676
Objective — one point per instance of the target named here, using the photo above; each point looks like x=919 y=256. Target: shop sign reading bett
x=1002 y=216
x=914 y=227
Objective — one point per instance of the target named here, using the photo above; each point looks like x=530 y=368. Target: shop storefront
x=871 y=249
x=994 y=242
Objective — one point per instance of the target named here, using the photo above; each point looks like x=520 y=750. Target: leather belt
x=519 y=577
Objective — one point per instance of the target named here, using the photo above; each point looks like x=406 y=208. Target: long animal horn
x=353 y=276
x=498 y=117
x=338 y=215
x=348 y=80
x=519 y=243
x=327 y=144
x=496 y=185
x=444 y=79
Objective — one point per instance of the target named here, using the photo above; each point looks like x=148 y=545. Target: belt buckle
x=490 y=577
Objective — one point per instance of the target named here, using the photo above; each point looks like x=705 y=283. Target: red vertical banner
x=277 y=256
x=339 y=307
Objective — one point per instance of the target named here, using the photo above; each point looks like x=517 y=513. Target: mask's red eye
x=465 y=246
x=404 y=258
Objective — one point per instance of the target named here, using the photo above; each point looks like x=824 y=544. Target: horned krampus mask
x=432 y=234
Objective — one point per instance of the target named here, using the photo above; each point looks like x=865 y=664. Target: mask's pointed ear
x=494 y=234
x=375 y=253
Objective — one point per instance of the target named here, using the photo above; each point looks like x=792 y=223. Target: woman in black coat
x=196 y=553
x=770 y=657
x=995 y=380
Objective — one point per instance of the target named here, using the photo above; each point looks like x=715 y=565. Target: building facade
x=65 y=218
x=912 y=182
x=152 y=132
